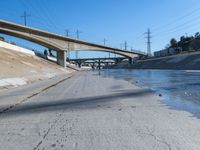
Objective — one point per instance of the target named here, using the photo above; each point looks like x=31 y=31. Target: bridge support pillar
x=61 y=58
x=116 y=61
x=79 y=63
x=99 y=64
x=131 y=61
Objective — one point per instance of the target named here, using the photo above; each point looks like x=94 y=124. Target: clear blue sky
x=115 y=20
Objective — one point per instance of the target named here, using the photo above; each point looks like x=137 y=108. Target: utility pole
x=125 y=45
x=121 y=46
x=25 y=18
x=131 y=49
x=148 y=33
x=68 y=52
x=104 y=43
x=77 y=36
x=67 y=32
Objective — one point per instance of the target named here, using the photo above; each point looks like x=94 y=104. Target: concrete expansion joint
x=31 y=96
x=52 y=125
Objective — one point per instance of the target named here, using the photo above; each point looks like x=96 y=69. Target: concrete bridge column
x=93 y=66
x=116 y=61
x=99 y=64
x=61 y=58
x=131 y=61
x=79 y=63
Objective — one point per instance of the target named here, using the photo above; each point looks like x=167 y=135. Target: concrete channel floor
x=91 y=112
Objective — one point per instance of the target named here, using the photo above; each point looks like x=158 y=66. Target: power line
x=25 y=18
x=45 y=13
x=36 y=9
x=40 y=8
x=179 y=26
x=185 y=25
x=6 y=12
x=77 y=36
x=132 y=50
x=104 y=41
x=148 y=42
x=67 y=32
x=52 y=18
x=177 y=19
x=172 y=22
x=121 y=45
x=68 y=51
x=125 y=45
x=180 y=29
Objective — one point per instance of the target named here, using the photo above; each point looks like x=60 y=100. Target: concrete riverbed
x=92 y=112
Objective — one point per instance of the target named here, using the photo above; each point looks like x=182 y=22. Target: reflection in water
x=180 y=89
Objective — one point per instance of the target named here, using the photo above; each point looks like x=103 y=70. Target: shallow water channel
x=180 y=89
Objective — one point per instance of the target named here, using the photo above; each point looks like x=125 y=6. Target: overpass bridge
x=59 y=43
x=111 y=60
x=94 y=59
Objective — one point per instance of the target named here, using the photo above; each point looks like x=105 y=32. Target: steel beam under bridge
x=85 y=59
x=59 y=43
x=107 y=60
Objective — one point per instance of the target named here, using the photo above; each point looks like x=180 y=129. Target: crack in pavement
x=48 y=130
x=53 y=124
x=33 y=95
x=151 y=133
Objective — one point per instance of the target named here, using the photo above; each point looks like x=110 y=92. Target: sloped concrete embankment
x=189 y=61
x=181 y=62
x=20 y=66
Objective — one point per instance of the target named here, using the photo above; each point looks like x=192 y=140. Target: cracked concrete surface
x=88 y=111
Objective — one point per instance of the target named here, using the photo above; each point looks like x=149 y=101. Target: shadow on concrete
x=76 y=103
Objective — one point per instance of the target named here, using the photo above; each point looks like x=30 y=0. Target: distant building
x=167 y=52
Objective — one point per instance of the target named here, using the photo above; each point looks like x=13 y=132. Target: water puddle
x=179 y=88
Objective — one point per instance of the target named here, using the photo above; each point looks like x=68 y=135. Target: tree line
x=186 y=43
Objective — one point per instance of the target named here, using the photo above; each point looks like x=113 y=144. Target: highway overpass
x=59 y=43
